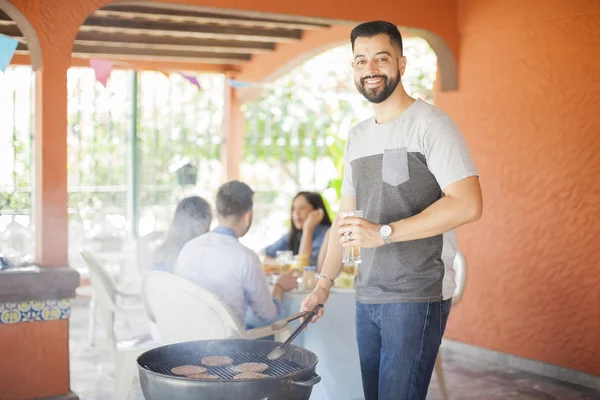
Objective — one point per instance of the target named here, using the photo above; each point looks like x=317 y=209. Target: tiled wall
x=29 y=311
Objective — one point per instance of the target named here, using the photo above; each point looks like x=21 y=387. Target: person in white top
x=219 y=263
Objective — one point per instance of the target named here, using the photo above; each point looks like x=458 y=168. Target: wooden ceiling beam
x=172 y=43
x=6 y=20
x=158 y=14
x=163 y=55
x=152 y=59
x=95 y=24
x=149 y=59
x=153 y=65
x=11 y=30
x=168 y=6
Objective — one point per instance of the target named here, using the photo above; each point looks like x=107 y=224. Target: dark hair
x=316 y=201
x=373 y=28
x=234 y=199
x=192 y=218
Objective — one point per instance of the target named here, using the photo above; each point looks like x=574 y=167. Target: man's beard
x=378 y=95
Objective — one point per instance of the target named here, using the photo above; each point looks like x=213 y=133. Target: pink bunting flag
x=102 y=68
x=192 y=80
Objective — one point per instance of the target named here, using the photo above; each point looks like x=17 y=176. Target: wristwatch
x=385 y=232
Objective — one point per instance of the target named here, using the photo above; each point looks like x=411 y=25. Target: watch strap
x=386 y=239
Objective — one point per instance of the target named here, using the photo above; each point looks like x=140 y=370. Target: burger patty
x=250 y=375
x=252 y=367
x=216 y=361
x=203 y=376
x=186 y=370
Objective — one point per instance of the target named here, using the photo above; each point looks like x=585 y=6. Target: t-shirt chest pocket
x=394 y=166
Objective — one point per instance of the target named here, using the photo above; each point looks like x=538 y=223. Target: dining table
x=333 y=339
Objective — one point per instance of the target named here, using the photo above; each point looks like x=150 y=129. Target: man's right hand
x=287 y=281
x=318 y=296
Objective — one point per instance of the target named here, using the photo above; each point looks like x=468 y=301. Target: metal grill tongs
x=279 y=350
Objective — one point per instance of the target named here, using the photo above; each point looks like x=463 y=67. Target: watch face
x=385 y=231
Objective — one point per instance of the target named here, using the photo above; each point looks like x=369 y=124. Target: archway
x=17 y=113
x=24 y=31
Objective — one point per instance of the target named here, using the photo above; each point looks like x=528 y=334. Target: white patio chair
x=144 y=249
x=122 y=298
x=183 y=311
x=17 y=243
x=124 y=353
x=460 y=277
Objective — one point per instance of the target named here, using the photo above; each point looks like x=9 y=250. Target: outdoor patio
x=113 y=111
x=467 y=377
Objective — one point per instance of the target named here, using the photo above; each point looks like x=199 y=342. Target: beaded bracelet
x=326 y=277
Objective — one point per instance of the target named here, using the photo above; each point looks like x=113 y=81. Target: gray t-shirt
x=396 y=170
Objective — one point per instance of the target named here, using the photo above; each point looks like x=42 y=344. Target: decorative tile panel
x=28 y=311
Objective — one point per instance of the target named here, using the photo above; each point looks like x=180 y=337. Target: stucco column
x=50 y=193
x=232 y=147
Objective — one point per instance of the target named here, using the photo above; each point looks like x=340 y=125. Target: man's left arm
x=462 y=203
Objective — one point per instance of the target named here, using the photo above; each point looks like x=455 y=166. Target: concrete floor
x=467 y=377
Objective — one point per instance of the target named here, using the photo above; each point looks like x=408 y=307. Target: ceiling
x=180 y=34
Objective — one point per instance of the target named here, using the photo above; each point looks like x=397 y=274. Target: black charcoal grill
x=291 y=377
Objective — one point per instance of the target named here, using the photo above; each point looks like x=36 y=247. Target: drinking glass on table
x=351 y=254
x=283 y=258
x=299 y=262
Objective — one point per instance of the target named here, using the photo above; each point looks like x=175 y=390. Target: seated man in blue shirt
x=219 y=263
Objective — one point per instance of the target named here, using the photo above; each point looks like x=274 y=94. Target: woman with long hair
x=192 y=218
x=308 y=225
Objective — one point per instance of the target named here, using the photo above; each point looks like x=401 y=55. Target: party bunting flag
x=192 y=80
x=242 y=84
x=102 y=68
x=8 y=46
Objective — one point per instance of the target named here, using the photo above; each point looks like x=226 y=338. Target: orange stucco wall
x=33 y=363
x=529 y=104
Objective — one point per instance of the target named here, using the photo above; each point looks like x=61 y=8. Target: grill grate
x=277 y=368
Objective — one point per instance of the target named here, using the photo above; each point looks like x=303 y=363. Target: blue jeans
x=398 y=344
